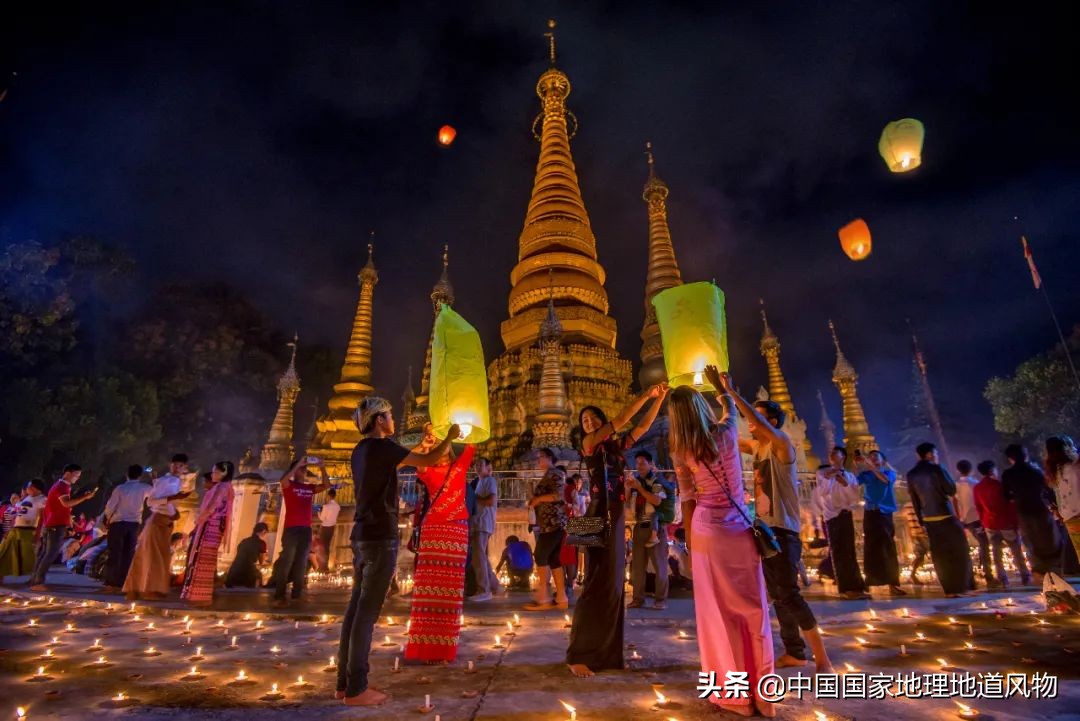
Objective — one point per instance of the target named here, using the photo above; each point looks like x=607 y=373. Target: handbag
x=418 y=521
x=764 y=538
x=586 y=531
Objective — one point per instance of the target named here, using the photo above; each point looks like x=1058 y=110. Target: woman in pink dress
x=210 y=525
x=728 y=583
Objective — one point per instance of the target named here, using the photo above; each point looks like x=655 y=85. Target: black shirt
x=374 y=472
x=1026 y=484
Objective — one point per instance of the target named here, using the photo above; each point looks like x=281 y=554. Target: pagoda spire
x=277 y=452
x=337 y=433
x=551 y=426
x=856 y=428
x=827 y=427
x=557 y=235
x=408 y=403
x=441 y=294
x=778 y=390
x=928 y=397
x=663 y=273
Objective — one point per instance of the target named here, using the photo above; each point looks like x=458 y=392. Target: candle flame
x=567 y=706
x=389 y=620
x=20 y=712
x=273 y=688
x=819 y=716
x=466 y=429
x=198 y=650
x=942 y=662
x=101 y=659
x=660 y=698
x=861 y=641
x=333 y=660
x=33 y=622
x=194 y=671
x=120 y=696
x=965 y=709
x=849 y=667
x=969 y=645
x=952 y=619
x=275 y=649
x=300 y=679
x=40 y=670
x=870 y=627
x=241 y=675
x=497 y=641
x=873 y=614
x=682 y=634
x=510 y=626
x=920 y=635
x=517 y=619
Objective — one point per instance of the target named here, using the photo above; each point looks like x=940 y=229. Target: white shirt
x=29 y=509
x=126 y=502
x=328 y=514
x=164 y=486
x=965 y=499
x=486 y=515
x=831 y=497
x=1068 y=491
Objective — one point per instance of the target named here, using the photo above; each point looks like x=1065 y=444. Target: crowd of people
x=738 y=549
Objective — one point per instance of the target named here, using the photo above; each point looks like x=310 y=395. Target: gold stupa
x=557 y=238
x=857 y=434
x=336 y=432
x=277 y=452
x=778 y=392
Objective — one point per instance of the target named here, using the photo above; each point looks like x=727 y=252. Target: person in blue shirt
x=518 y=559
x=878 y=480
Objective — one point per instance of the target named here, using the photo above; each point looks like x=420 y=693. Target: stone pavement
x=525 y=681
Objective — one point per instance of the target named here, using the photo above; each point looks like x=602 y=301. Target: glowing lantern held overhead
x=693 y=332
x=855 y=239
x=459 y=391
x=447 y=134
x=901 y=145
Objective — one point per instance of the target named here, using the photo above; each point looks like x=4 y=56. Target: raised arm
x=433 y=456
x=590 y=441
x=785 y=452
x=688 y=494
x=324 y=481
x=657 y=393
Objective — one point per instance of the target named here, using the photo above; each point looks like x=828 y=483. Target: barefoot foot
x=370 y=697
x=581 y=670
x=787 y=661
x=339 y=695
x=765 y=708
x=824 y=668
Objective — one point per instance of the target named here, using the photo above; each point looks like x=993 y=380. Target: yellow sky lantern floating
x=855 y=239
x=901 y=144
x=447 y=133
x=459 y=390
x=693 y=332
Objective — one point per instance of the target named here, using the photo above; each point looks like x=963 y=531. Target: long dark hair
x=1060 y=451
x=228 y=469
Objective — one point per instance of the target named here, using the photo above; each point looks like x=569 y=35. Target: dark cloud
x=260 y=143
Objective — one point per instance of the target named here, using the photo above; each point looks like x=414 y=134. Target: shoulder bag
x=764 y=538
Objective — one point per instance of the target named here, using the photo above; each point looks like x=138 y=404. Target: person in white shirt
x=123 y=516
x=487 y=506
x=836 y=496
x=17 y=552
x=1063 y=474
x=149 y=574
x=968 y=513
x=328 y=516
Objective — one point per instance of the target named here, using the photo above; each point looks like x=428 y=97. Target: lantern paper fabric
x=447 y=134
x=458 y=390
x=855 y=239
x=693 y=331
x=901 y=145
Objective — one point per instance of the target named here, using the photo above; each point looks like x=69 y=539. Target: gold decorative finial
x=550 y=35
x=835 y=339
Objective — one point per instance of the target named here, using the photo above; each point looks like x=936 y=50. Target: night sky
x=260 y=143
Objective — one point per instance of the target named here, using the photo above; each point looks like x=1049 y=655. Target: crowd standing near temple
x=711 y=552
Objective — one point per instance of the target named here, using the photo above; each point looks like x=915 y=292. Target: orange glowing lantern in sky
x=447 y=135
x=855 y=239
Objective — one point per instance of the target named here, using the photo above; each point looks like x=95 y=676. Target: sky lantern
x=459 y=391
x=901 y=145
x=693 y=332
x=855 y=239
x=447 y=135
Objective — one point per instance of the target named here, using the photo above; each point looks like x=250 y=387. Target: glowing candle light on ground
x=324 y=618
x=849 y=668
x=905 y=613
x=198 y=655
x=871 y=628
x=70 y=628
x=517 y=620
x=965 y=711
x=275 y=649
x=570 y=709
x=471 y=668
x=873 y=614
x=427 y=700
x=387 y=643
x=903 y=650
x=942 y=662
x=32 y=622
x=819 y=716
x=234 y=645
x=952 y=621
x=397 y=663
x=860 y=640
x=566 y=618
x=120 y=696
x=301 y=682
x=96 y=646
x=661 y=699
x=20 y=713
x=920 y=636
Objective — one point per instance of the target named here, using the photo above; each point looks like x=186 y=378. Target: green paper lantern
x=458 y=392
x=901 y=145
x=693 y=332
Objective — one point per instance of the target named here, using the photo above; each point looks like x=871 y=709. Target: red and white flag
x=1035 y=278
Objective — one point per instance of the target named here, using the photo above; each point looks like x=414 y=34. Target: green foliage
x=1040 y=399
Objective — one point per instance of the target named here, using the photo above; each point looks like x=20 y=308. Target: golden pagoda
x=778 y=392
x=336 y=432
x=441 y=294
x=856 y=429
x=557 y=237
x=551 y=425
x=663 y=273
x=277 y=452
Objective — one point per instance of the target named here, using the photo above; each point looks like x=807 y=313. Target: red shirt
x=298 y=498
x=56 y=513
x=995 y=513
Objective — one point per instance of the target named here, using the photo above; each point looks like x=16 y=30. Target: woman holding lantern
x=729 y=585
x=440 y=569
x=596 y=636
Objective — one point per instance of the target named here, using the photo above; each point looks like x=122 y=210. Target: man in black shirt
x=374 y=539
x=1024 y=483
